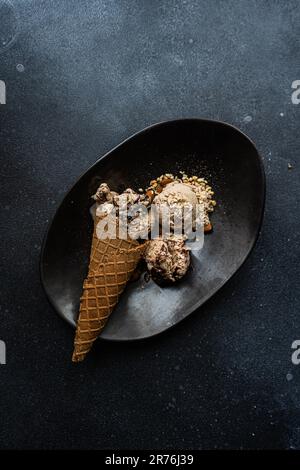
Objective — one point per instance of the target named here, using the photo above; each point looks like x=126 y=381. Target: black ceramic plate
x=215 y=150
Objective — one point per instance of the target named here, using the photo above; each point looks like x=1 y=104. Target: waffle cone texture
x=112 y=263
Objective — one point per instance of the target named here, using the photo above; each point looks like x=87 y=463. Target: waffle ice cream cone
x=112 y=262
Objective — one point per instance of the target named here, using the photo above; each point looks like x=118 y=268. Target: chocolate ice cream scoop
x=104 y=194
x=167 y=259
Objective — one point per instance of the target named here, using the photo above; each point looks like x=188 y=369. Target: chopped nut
x=208 y=228
x=150 y=194
x=166 y=180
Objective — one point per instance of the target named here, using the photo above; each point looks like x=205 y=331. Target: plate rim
x=204 y=299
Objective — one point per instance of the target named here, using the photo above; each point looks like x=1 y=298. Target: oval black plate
x=215 y=150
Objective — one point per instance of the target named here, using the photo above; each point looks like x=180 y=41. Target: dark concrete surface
x=80 y=77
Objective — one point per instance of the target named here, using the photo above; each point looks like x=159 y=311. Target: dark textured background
x=93 y=73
